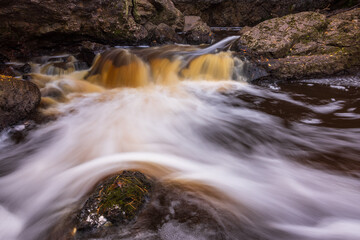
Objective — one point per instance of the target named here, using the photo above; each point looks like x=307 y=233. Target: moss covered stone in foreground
x=116 y=200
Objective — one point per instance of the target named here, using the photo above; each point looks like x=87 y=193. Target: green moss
x=134 y=12
x=126 y=192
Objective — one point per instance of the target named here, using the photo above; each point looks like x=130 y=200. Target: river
x=273 y=160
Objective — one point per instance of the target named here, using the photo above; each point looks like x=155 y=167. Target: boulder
x=115 y=201
x=29 y=25
x=108 y=212
x=163 y=33
x=274 y=38
x=305 y=45
x=196 y=31
x=18 y=99
x=231 y=13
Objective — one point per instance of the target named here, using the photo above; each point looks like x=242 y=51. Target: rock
x=7 y=70
x=24 y=69
x=167 y=13
x=29 y=25
x=165 y=34
x=274 y=38
x=18 y=99
x=116 y=200
x=88 y=50
x=229 y=13
x=14 y=69
x=196 y=31
x=166 y=204
x=306 y=44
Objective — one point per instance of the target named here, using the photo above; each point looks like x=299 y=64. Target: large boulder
x=305 y=44
x=132 y=206
x=115 y=201
x=27 y=25
x=276 y=36
x=249 y=12
x=18 y=99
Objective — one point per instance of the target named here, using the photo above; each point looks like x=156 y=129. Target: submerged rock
x=306 y=44
x=18 y=99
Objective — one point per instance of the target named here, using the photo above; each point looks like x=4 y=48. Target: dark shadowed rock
x=163 y=33
x=29 y=25
x=196 y=31
x=88 y=51
x=248 y=12
x=18 y=99
x=7 y=70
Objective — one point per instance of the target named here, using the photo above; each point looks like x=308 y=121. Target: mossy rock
x=116 y=200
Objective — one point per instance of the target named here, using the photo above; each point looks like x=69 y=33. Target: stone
x=29 y=25
x=115 y=201
x=229 y=13
x=305 y=45
x=163 y=34
x=196 y=31
x=18 y=99
x=275 y=37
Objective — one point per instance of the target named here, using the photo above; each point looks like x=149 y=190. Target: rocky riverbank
x=30 y=28
x=308 y=44
x=295 y=46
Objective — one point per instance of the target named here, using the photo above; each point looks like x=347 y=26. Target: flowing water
x=238 y=161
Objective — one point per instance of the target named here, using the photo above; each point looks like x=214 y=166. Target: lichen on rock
x=275 y=37
x=306 y=44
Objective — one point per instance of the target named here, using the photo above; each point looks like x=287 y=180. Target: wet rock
x=24 y=69
x=15 y=69
x=247 y=12
x=29 y=25
x=18 y=99
x=88 y=51
x=165 y=34
x=196 y=31
x=306 y=44
x=116 y=200
x=7 y=70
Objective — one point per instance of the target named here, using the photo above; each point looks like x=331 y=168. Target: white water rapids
x=194 y=134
